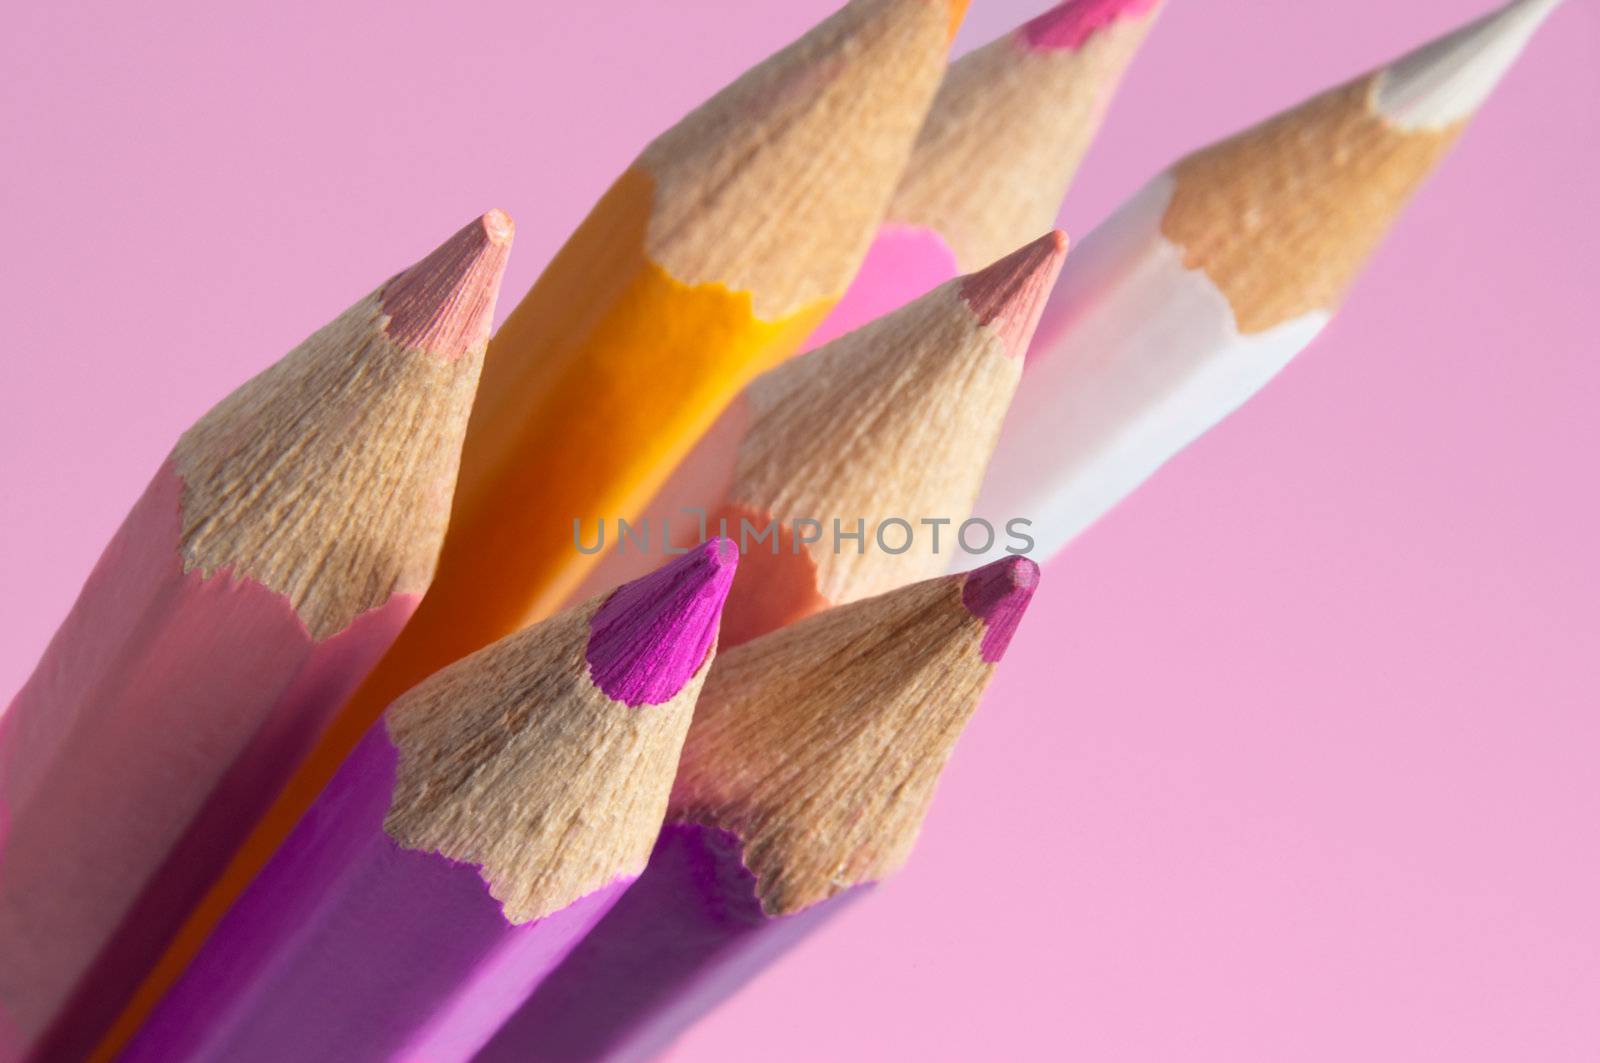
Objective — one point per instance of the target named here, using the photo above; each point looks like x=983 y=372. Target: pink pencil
x=889 y=427
x=807 y=772
x=275 y=555
x=482 y=826
x=1003 y=140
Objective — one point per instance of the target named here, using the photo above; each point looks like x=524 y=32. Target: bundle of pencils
x=708 y=261
x=258 y=803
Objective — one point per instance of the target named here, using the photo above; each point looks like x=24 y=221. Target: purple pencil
x=481 y=827
x=807 y=772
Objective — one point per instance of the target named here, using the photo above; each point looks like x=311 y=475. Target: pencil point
x=1444 y=82
x=998 y=594
x=1010 y=294
x=650 y=636
x=498 y=227
x=1071 y=24
x=444 y=304
x=958 y=13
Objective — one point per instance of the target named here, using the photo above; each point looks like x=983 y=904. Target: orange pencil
x=707 y=262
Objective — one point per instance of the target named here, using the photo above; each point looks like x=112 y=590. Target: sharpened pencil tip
x=445 y=303
x=958 y=14
x=498 y=226
x=1071 y=24
x=650 y=636
x=1445 y=81
x=1010 y=294
x=998 y=594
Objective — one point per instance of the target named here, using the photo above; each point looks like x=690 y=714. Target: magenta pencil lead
x=482 y=826
x=808 y=770
x=1074 y=23
x=998 y=594
x=653 y=633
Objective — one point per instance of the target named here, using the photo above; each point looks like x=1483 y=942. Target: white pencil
x=1198 y=290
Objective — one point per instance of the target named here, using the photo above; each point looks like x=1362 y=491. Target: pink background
x=1296 y=756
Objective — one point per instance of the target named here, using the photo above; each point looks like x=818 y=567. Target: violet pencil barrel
x=684 y=939
x=391 y=954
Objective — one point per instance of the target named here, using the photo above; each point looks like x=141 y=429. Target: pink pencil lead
x=1072 y=24
x=651 y=635
x=445 y=303
x=1010 y=294
x=998 y=594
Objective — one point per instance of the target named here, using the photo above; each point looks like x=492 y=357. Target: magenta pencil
x=481 y=827
x=1004 y=138
x=272 y=559
x=806 y=775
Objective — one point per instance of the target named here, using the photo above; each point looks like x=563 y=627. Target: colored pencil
x=271 y=560
x=850 y=471
x=1205 y=284
x=807 y=772
x=1004 y=139
x=484 y=824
